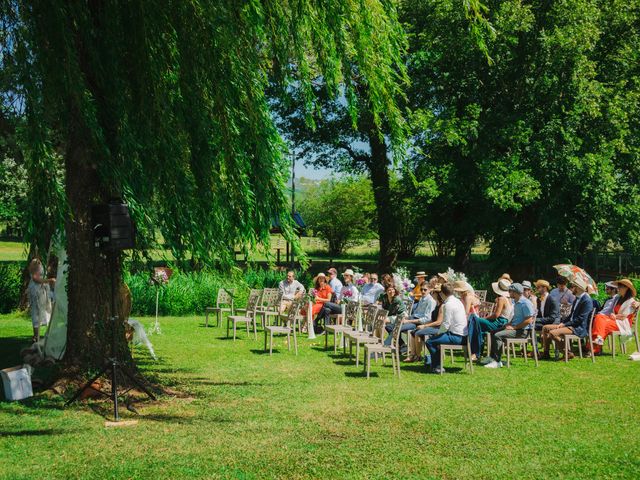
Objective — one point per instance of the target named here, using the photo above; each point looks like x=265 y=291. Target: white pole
x=156 y=327
x=310 y=332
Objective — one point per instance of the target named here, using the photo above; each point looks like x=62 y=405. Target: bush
x=190 y=292
x=10 y=282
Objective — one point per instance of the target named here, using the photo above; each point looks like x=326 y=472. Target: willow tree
x=162 y=103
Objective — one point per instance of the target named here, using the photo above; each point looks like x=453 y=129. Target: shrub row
x=10 y=282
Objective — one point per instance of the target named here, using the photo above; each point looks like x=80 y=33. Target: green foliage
x=340 y=211
x=13 y=192
x=167 y=101
x=10 y=283
x=534 y=150
x=190 y=292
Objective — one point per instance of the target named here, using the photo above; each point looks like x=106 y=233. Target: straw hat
x=348 y=271
x=506 y=276
x=542 y=283
x=611 y=285
x=315 y=279
x=444 y=276
x=629 y=284
x=420 y=274
x=462 y=286
x=501 y=287
x=526 y=284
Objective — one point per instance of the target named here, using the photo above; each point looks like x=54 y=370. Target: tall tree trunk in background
x=379 y=172
x=462 y=258
x=89 y=287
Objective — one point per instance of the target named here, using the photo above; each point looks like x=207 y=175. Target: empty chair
x=288 y=327
x=348 y=324
x=268 y=306
x=224 y=303
x=481 y=294
x=359 y=337
x=247 y=318
x=378 y=348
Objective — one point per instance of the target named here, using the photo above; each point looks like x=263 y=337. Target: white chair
x=481 y=294
x=366 y=335
x=466 y=350
x=225 y=297
x=510 y=343
x=269 y=305
x=623 y=347
x=288 y=328
x=249 y=317
x=379 y=348
x=349 y=319
x=569 y=338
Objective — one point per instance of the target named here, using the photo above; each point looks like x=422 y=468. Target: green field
x=235 y=412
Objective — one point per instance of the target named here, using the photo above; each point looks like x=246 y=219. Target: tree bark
x=378 y=166
x=89 y=286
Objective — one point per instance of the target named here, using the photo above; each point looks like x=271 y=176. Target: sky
x=311 y=172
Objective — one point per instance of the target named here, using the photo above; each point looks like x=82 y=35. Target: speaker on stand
x=114 y=232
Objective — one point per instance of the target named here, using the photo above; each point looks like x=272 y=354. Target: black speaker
x=112 y=226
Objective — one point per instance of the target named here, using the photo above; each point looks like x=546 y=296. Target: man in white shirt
x=372 y=290
x=348 y=292
x=453 y=329
x=289 y=289
x=334 y=282
x=562 y=293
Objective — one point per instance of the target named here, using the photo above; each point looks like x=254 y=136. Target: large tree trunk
x=379 y=171
x=89 y=287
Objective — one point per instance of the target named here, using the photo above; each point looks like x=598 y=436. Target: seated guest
x=518 y=326
x=611 y=289
x=416 y=293
x=387 y=280
x=502 y=313
x=334 y=282
x=549 y=309
x=561 y=293
x=577 y=323
x=393 y=304
x=621 y=308
x=453 y=329
x=372 y=290
x=432 y=327
x=421 y=315
x=322 y=296
x=467 y=296
x=348 y=292
x=529 y=295
x=290 y=289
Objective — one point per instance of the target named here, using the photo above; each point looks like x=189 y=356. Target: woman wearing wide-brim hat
x=322 y=295
x=621 y=310
x=502 y=313
x=467 y=295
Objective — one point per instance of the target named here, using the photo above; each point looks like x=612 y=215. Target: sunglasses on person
x=424 y=289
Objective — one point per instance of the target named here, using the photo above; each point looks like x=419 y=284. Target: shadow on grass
x=35 y=433
x=10 y=350
x=261 y=351
x=228 y=384
x=360 y=374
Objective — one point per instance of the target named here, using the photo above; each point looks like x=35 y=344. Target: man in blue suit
x=577 y=323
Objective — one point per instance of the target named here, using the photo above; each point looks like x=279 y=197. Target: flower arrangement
x=454 y=276
x=347 y=293
x=360 y=281
x=402 y=282
x=161 y=276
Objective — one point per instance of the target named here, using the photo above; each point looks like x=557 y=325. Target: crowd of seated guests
x=447 y=312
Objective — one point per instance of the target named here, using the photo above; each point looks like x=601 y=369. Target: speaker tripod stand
x=112 y=364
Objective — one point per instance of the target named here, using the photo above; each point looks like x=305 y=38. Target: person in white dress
x=39 y=294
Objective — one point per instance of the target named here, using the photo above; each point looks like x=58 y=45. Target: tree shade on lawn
x=238 y=413
x=163 y=104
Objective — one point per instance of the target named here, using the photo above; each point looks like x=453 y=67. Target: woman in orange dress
x=623 y=306
x=322 y=294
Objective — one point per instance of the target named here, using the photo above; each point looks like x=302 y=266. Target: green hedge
x=10 y=282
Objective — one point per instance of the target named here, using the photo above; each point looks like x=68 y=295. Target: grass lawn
x=243 y=414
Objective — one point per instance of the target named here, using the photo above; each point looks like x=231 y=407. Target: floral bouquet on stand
x=402 y=282
x=159 y=278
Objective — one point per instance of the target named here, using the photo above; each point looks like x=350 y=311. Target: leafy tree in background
x=341 y=212
x=163 y=104
x=534 y=151
x=348 y=140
